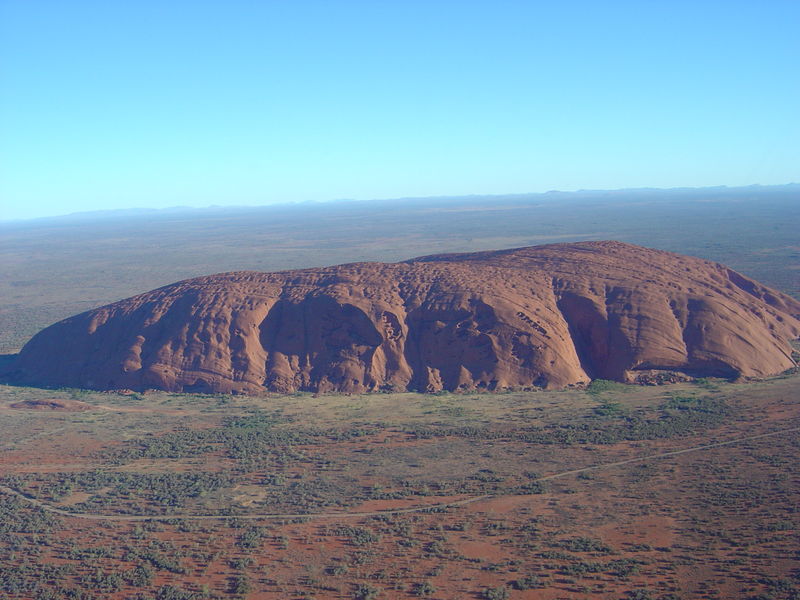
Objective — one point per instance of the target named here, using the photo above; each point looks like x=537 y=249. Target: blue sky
x=117 y=104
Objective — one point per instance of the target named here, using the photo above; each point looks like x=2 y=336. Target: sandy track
x=342 y=515
x=667 y=454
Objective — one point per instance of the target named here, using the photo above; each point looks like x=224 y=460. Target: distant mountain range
x=651 y=194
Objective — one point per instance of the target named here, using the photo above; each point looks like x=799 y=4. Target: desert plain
x=683 y=490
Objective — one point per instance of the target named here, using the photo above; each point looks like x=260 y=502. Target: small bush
x=366 y=592
x=423 y=589
x=498 y=593
x=526 y=583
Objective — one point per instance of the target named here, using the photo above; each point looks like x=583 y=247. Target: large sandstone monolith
x=546 y=316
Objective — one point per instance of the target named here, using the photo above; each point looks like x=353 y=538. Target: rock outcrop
x=546 y=316
x=55 y=404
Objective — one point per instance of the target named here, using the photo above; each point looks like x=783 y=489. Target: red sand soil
x=698 y=524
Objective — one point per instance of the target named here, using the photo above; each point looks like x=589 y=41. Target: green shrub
x=526 y=583
x=423 y=589
x=366 y=592
x=497 y=593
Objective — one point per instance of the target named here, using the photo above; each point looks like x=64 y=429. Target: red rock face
x=546 y=316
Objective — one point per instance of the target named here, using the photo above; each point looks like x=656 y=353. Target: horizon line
x=110 y=212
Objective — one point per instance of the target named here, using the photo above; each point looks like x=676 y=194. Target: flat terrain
x=679 y=491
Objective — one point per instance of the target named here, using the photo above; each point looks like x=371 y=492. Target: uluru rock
x=545 y=316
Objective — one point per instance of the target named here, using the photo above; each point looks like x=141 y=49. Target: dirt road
x=343 y=515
